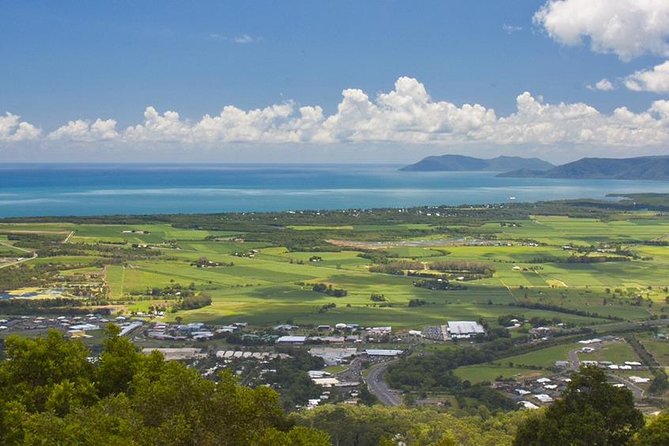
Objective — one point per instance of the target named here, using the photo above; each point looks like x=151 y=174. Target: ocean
x=105 y=189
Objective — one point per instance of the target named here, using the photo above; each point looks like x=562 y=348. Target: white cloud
x=602 y=85
x=85 y=131
x=627 y=28
x=245 y=38
x=406 y=115
x=12 y=129
x=510 y=29
x=655 y=80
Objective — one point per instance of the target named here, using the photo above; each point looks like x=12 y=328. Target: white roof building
x=333 y=356
x=380 y=330
x=633 y=363
x=383 y=352
x=85 y=327
x=639 y=380
x=528 y=405
x=464 y=329
x=544 y=398
x=291 y=340
x=325 y=382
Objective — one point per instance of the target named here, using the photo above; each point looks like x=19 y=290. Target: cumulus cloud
x=655 y=80
x=12 y=129
x=86 y=131
x=627 y=28
x=406 y=115
x=602 y=85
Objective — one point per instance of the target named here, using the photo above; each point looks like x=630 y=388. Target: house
x=542 y=397
x=528 y=405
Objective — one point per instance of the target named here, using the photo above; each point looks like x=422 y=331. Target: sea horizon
x=96 y=189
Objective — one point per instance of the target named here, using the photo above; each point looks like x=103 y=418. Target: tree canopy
x=590 y=413
x=54 y=392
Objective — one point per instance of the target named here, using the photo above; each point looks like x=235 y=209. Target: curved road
x=378 y=387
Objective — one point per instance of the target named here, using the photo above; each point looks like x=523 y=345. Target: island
x=461 y=163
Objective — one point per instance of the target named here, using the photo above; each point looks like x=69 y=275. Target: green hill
x=639 y=168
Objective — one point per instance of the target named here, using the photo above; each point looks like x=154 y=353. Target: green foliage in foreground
x=376 y=425
x=53 y=395
x=591 y=413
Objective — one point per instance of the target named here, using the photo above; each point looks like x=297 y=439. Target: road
x=636 y=390
x=573 y=359
x=378 y=387
x=34 y=255
x=67 y=239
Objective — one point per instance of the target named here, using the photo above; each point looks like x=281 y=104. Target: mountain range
x=461 y=163
x=637 y=168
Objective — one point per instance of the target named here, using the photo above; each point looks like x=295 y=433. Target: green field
x=265 y=279
x=490 y=372
x=616 y=352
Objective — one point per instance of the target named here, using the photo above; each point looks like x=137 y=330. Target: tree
x=656 y=433
x=591 y=412
x=52 y=394
x=117 y=364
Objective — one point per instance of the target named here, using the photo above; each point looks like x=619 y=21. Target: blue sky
x=81 y=60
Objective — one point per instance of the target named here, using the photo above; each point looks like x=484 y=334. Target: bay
x=106 y=189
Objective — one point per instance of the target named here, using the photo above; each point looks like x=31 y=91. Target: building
x=172 y=354
x=333 y=356
x=327 y=339
x=383 y=352
x=379 y=331
x=464 y=329
x=293 y=340
x=84 y=327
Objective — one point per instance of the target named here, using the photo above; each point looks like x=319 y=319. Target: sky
x=332 y=81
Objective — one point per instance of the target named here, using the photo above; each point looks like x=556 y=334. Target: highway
x=378 y=387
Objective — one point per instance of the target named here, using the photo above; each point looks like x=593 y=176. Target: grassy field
x=490 y=372
x=269 y=283
x=616 y=352
x=659 y=348
x=544 y=358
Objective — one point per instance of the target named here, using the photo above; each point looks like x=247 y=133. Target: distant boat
x=512 y=198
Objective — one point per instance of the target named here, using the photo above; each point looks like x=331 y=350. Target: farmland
x=543 y=265
x=562 y=272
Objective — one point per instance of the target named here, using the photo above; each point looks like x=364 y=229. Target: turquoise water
x=89 y=189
